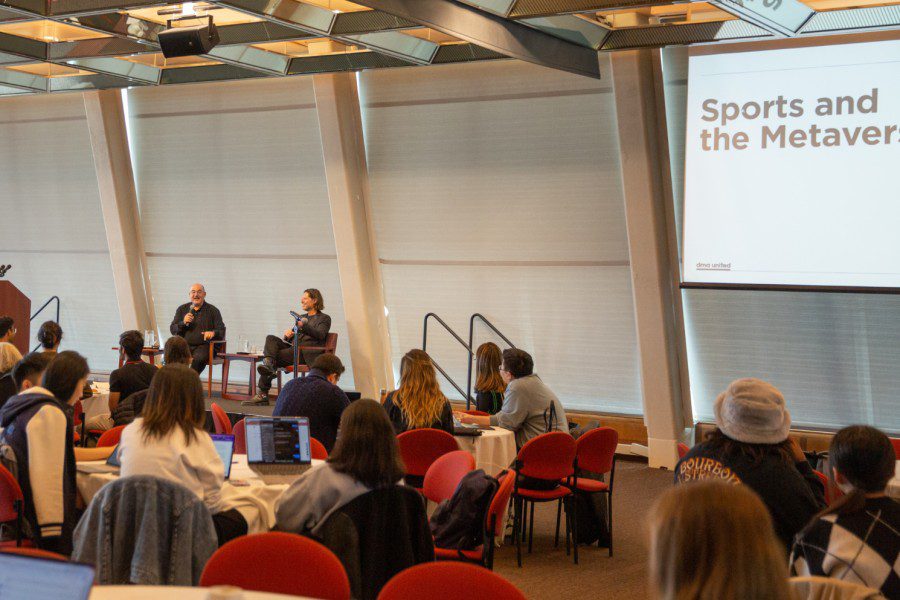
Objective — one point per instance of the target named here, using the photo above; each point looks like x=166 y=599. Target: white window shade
x=233 y=195
x=496 y=188
x=54 y=235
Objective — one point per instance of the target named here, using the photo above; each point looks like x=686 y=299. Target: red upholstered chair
x=34 y=553
x=823 y=479
x=240 y=437
x=448 y=581
x=550 y=456
x=278 y=563
x=494 y=523
x=216 y=347
x=595 y=451
x=317 y=449
x=476 y=413
x=444 y=475
x=683 y=449
x=329 y=348
x=12 y=507
x=111 y=437
x=220 y=419
x=421 y=447
x=895 y=442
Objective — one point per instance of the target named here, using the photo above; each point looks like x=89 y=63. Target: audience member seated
x=176 y=351
x=50 y=336
x=713 y=540
x=7 y=330
x=750 y=445
x=9 y=356
x=25 y=375
x=857 y=538
x=318 y=397
x=418 y=402
x=366 y=457
x=37 y=427
x=134 y=376
x=489 y=384
x=530 y=408
x=168 y=441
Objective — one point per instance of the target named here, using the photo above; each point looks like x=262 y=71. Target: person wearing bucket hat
x=750 y=445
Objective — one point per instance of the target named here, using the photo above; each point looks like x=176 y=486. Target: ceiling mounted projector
x=188 y=41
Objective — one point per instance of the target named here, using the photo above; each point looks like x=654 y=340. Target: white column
x=340 y=124
x=656 y=298
x=118 y=200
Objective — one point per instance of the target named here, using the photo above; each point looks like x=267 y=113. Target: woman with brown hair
x=169 y=441
x=712 y=540
x=365 y=457
x=418 y=403
x=489 y=384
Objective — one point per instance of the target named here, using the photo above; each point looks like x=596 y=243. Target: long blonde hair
x=419 y=396
x=9 y=356
x=711 y=540
x=487 y=369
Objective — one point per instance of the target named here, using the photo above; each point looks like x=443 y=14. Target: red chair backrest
x=448 y=580
x=548 y=456
x=444 y=475
x=220 y=420
x=895 y=442
x=476 y=413
x=34 y=553
x=331 y=343
x=421 y=447
x=683 y=449
x=823 y=479
x=10 y=496
x=278 y=563
x=317 y=449
x=240 y=437
x=111 y=437
x=78 y=410
x=499 y=502
x=596 y=450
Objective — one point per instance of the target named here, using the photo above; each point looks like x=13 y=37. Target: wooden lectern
x=15 y=304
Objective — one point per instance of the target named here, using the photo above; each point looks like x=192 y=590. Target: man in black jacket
x=199 y=323
x=312 y=329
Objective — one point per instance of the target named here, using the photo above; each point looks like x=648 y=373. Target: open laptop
x=278 y=447
x=225 y=448
x=27 y=578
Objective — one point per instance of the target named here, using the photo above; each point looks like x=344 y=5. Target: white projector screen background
x=803 y=196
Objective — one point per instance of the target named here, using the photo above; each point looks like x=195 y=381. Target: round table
x=98 y=404
x=494 y=450
x=170 y=592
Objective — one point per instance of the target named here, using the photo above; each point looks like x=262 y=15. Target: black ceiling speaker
x=188 y=41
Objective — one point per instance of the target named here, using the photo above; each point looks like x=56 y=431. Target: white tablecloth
x=169 y=592
x=98 y=404
x=893 y=488
x=493 y=450
x=256 y=502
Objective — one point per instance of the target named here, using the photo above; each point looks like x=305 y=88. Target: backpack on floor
x=458 y=523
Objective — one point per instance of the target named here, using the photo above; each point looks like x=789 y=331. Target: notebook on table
x=27 y=578
x=225 y=448
x=278 y=447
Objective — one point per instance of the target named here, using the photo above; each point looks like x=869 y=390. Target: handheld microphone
x=296 y=316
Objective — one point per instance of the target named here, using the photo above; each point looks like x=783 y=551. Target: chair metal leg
x=531 y=527
x=574 y=519
x=609 y=520
x=516 y=526
x=568 y=531
x=558 y=511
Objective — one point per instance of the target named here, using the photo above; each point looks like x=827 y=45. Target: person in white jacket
x=169 y=442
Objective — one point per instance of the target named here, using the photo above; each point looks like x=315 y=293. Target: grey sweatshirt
x=310 y=500
x=526 y=408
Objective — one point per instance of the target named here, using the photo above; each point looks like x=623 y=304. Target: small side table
x=148 y=351
x=227 y=357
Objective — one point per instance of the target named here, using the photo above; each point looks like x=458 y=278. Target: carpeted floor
x=549 y=573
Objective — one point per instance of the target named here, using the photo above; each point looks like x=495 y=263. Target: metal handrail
x=471 y=343
x=45 y=305
x=436 y=365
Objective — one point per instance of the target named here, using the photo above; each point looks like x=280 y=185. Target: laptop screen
x=277 y=440
x=26 y=578
x=225 y=447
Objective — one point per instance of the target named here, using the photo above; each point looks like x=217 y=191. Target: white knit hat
x=752 y=411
